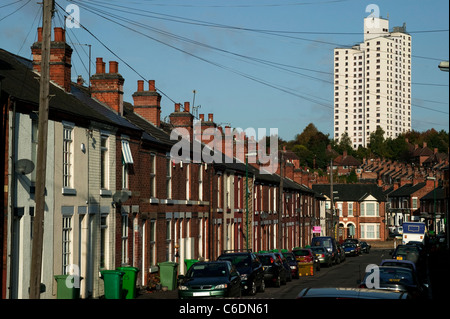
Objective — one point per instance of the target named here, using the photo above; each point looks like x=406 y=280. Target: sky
x=252 y=63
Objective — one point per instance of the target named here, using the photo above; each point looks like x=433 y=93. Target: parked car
x=365 y=247
x=350 y=293
x=394 y=278
x=306 y=255
x=249 y=267
x=290 y=257
x=350 y=249
x=323 y=255
x=274 y=271
x=399 y=263
x=210 y=279
x=407 y=252
x=285 y=264
x=341 y=252
x=329 y=243
x=356 y=242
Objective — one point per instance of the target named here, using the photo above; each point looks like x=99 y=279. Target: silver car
x=323 y=255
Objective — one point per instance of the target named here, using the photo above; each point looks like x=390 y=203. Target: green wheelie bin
x=189 y=263
x=168 y=274
x=67 y=289
x=129 y=281
x=113 y=283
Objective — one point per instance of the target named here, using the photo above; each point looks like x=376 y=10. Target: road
x=346 y=274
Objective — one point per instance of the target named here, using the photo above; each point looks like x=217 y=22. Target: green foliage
x=311 y=145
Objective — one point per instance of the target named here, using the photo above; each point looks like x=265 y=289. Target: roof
x=22 y=82
x=351 y=192
x=407 y=190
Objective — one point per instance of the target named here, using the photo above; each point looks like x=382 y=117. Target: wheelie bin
x=189 y=263
x=168 y=274
x=129 y=281
x=113 y=283
x=67 y=288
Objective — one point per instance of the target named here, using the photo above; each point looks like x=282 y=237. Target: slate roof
x=21 y=82
x=351 y=192
x=407 y=190
x=440 y=194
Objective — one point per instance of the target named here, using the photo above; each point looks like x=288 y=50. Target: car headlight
x=222 y=286
x=183 y=288
x=292 y=267
x=244 y=276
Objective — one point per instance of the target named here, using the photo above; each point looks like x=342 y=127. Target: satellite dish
x=24 y=166
x=120 y=196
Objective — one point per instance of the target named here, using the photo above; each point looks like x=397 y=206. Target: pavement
x=157 y=294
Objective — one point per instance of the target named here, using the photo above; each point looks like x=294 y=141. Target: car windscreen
x=325 y=242
x=266 y=259
x=240 y=261
x=404 y=250
x=345 y=245
x=207 y=270
x=398 y=264
x=396 y=276
x=289 y=257
x=318 y=250
x=301 y=252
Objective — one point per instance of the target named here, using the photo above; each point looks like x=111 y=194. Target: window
x=188 y=185
x=152 y=175
x=370 y=231
x=200 y=182
x=66 y=243
x=34 y=146
x=370 y=209
x=168 y=239
x=152 y=244
x=414 y=202
x=124 y=239
x=127 y=161
x=104 y=162
x=168 y=177
x=350 y=209
x=67 y=156
x=103 y=230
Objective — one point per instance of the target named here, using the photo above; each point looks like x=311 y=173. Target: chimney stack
x=108 y=87
x=148 y=103
x=60 y=58
x=183 y=119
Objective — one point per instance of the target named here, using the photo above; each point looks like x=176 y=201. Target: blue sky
x=253 y=63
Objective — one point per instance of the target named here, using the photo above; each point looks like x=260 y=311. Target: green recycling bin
x=168 y=274
x=129 y=281
x=67 y=288
x=189 y=263
x=113 y=283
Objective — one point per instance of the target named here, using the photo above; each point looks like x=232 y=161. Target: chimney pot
x=202 y=117
x=99 y=66
x=211 y=117
x=39 y=34
x=59 y=35
x=177 y=107
x=113 y=67
x=186 y=107
x=151 y=85
x=140 y=85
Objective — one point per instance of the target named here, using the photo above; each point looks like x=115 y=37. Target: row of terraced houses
x=115 y=196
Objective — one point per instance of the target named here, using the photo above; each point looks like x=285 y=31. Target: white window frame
x=369 y=229
x=124 y=239
x=67 y=162
x=67 y=242
x=104 y=161
x=350 y=209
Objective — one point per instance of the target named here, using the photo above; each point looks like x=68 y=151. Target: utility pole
x=280 y=203
x=41 y=165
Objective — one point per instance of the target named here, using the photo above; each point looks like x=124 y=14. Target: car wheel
x=278 y=282
x=262 y=288
x=252 y=291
